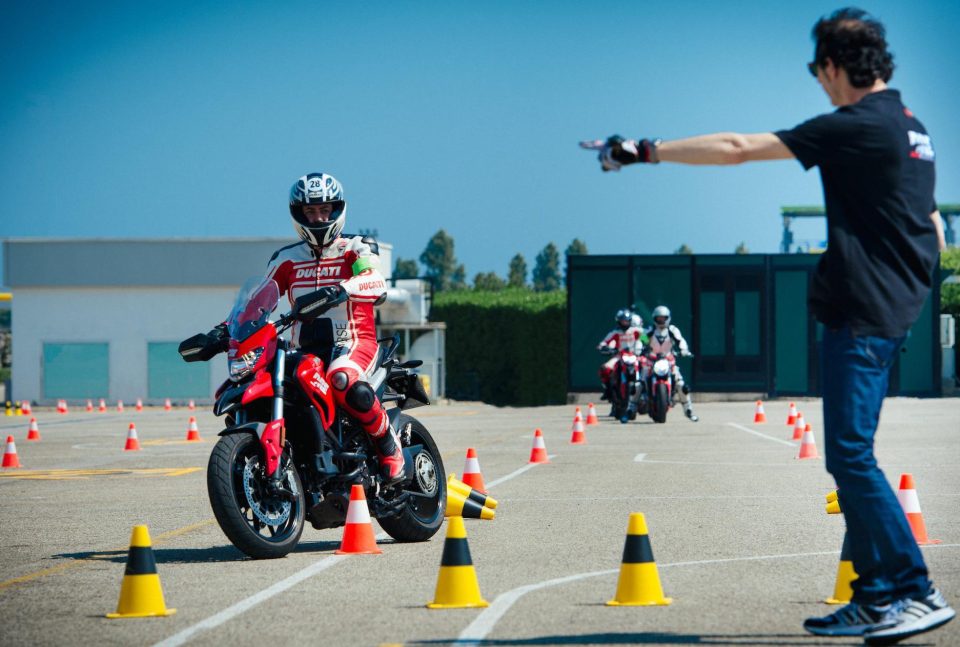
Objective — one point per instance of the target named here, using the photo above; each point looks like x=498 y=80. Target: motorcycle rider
x=662 y=338
x=347 y=268
x=628 y=335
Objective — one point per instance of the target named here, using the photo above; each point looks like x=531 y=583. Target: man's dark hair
x=855 y=41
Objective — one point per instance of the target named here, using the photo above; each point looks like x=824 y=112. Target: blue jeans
x=856 y=371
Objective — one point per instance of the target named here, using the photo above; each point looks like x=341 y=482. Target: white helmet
x=636 y=321
x=661 y=317
x=318 y=188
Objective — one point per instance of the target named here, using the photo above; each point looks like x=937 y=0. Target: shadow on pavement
x=652 y=638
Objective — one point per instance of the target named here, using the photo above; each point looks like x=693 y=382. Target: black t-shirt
x=877 y=166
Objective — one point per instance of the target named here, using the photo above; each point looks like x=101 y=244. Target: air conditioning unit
x=408 y=302
x=948 y=331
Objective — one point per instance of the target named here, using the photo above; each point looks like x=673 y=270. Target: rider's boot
x=390 y=452
x=606 y=392
x=688 y=411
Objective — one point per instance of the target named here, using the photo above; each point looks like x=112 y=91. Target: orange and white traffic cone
x=792 y=415
x=471 y=472
x=139 y=404
x=89 y=406
x=193 y=432
x=799 y=427
x=191 y=406
x=579 y=437
x=33 y=433
x=133 y=443
x=592 y=414
x=907 y=495
x=759 y=417
x=358 y=532
x=10 y=458
x=120 y=406
x=808 y=446
x=61 y=406
x=25 y=406
x=538 y=454
x=577 y=415
x=102 y=408
x=166 y=405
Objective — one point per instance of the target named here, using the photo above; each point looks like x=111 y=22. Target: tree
x=406 y=268
x=439 y=260
x=576 y=246
x=458 y=280
x=684 y=249
x=488 y=281
x=741 y=248
x=546 y=272
x=517 y=274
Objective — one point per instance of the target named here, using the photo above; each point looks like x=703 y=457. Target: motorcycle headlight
x=241 y=366
x=661 y=368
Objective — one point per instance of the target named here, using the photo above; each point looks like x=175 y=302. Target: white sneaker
x=913 y=617
x=851 y=620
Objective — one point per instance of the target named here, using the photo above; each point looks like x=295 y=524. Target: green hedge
x=950 y=293
x=507 y=347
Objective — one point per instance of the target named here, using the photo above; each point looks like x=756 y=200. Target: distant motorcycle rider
x=628 y=335
x=666 y=338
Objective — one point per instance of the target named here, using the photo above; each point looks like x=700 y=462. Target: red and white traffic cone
x=89 y=406
x=910 y=502
x=10 y=458
x=139 y=404
x=120 y=406
x=358 y=532
x=166 y=405
x=191 y=406
x=193 y=433
x=799 y=427
x=133 y=443
x=792 y=415
x=592 y=414
x=471 y=472
x=578 y=436
x=538 y=454
x=61 y=406
x=33 y=433
x=102 y=408
x=759 y=417
x=808 y=446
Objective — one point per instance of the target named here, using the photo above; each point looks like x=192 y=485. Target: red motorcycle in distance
x=288 y=454
x=624 y=384
x=658 y=386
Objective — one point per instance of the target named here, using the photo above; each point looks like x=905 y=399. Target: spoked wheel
x=423 y=513
x=261 y=524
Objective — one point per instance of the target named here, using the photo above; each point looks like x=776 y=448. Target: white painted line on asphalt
x=243 y=605
x=639 y=458
x=483 y=624
x=504 y=479
x=757 y=433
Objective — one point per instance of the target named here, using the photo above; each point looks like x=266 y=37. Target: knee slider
x=685 y=388
x=361 y=397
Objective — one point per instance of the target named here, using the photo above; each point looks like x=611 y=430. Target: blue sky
x=167 y=119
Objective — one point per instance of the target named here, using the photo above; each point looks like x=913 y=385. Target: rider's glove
x=686 y=353
x=618 y=152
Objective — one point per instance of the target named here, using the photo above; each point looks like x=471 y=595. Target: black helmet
x=318 y=188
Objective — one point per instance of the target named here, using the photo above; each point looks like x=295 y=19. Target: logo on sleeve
x=921 y=146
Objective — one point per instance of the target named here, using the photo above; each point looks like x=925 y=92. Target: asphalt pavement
x=736 y=525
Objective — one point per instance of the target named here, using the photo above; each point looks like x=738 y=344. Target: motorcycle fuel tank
x=311 y=374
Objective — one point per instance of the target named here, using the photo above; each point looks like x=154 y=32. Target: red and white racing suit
x=619 y=339
x=667 y=340
x=349 y=330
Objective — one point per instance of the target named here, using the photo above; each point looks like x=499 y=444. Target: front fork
x=274 y=436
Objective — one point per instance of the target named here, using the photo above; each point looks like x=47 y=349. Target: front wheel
x=422 y=516
x=261 y=524
x=662 y=402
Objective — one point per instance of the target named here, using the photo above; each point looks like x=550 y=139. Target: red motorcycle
x=288 y=454
x=624 y=384
x=658 y=386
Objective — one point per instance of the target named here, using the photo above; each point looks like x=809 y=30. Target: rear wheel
x=422 y=516
x=661 y=402
x=261 y=524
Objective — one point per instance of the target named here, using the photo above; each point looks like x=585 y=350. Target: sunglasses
x=813 y=67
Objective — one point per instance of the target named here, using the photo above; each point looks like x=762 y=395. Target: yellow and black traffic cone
x=459 y=505
x=487 y=501
x=833 y=503
x=639 y=582
x=140 y=592
x=457 y=586
x=842 y=591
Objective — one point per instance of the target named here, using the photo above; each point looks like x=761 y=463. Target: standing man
x=876 y=162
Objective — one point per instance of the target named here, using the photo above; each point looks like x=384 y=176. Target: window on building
x=76 y=370
x=168 y=376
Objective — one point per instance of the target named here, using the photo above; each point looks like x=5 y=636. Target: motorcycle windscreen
x=256 y=300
